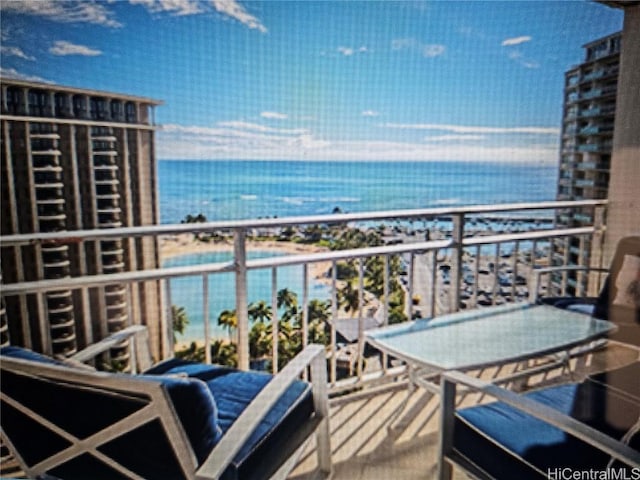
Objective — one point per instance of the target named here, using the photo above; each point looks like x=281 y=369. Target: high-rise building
x=77 y=159
x=585 y=155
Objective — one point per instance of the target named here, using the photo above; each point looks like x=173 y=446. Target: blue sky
x=433 y=80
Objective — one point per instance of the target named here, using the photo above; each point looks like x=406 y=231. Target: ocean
x=232 y=190
x=228 y=190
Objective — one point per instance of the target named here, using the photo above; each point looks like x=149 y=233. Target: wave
x=248 y=197
x=340 y=199
x=448 y=201
x=293 y=200
x=333 y=200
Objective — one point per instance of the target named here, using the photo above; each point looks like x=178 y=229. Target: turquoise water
x=227 y=190
x=187 y=291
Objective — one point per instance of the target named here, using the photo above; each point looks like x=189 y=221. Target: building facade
x=77 y=159
x=585 y=156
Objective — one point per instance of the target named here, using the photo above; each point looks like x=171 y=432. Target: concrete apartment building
x=585 y=157
x=77 y=159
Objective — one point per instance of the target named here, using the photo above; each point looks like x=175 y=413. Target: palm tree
x=259 y=340
x=229 y=320
x=224 y=353
x=288 y=299
x=259 y=311
x=319 y=315
x=179 y=320
x=348 y=297
x=193 y=353
x=319 y=310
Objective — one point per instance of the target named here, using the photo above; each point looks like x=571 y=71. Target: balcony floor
x=363 y=447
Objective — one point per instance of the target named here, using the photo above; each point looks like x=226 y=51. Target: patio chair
x=554 y=432
x=616 y=302
x=177 y=420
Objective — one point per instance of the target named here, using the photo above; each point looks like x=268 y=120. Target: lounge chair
x=555 y=432
x=177 y=420
x=614 y=303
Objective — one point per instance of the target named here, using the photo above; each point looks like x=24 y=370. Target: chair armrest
x=536 y=273
x=140 y=333
x=314 y=356
x=585 y=433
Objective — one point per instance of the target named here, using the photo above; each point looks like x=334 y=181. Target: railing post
x=360 y=358
x=167 y=323
x=205 y=318
x=274 y=320
x=596 y=259
x=410 y=280
x=334 y=318
x=242 y=315
x=457 y=234
x=385 y=305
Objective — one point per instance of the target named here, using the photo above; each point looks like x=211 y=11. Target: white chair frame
x=160 y=408
x=448 y=455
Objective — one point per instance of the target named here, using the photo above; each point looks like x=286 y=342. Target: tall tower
x=585 y=156
x=77 y=159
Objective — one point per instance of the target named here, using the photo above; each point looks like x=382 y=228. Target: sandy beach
x=185 y=244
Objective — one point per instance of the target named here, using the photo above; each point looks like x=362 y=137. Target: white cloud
x=63 y=48
x=474 y=129
x=177 y=7
x=274 y=115
x=370 y=113
x=235 y=139
x=64 y=12
x=13 y=73
x=428 y=50
x=346 y=51
x=455 y=138
x=15 y=52
x=518 y=57
x=260 y=128
x=242 y=140
x=516 y=40
x=433 y=50
x=233 y=9
x=349 y=51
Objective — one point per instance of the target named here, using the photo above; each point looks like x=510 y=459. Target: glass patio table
x=487 y=337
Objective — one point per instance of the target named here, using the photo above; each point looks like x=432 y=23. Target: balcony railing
x=476 y=256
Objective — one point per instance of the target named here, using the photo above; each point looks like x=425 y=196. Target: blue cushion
x=84 y=412
x=176 y=366
x=278 y=434
x=539 y=444
x=24 y=354
x=145 y=450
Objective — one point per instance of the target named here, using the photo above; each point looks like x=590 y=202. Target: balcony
x=471 y=257
x=591 y=94
x=595 y=147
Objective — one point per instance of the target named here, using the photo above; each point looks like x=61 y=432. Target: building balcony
x=472 y=257
x=593 y=75
x=591 y=94
x=595 y=147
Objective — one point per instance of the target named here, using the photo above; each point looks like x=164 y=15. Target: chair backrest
x=73 y=423
x=616 y=301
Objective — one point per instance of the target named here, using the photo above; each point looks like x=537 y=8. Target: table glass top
x=488 y=336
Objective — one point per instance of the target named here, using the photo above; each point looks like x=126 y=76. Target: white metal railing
x=467 y=268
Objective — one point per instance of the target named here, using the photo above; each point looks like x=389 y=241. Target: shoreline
x=185 y=244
